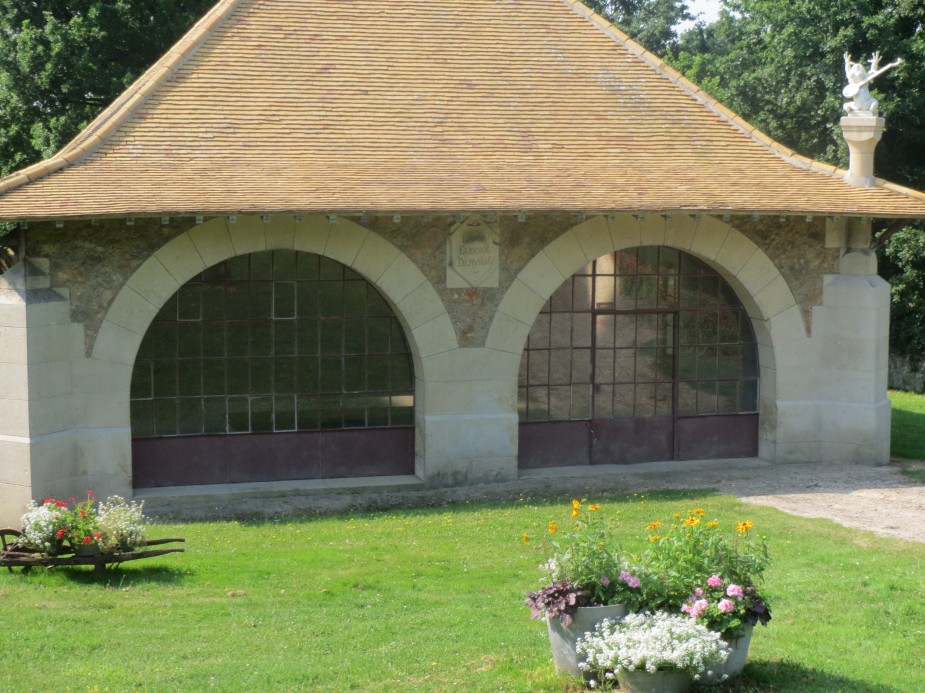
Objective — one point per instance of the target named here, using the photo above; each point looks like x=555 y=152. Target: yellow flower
x=594 y=506
x=743 y=527
x=654 y=525
x=700 y=512
x=712 y=523
x=691 y=521
x=576 y=506
x=655 y=537
x=553 y=528
x=677 y=516
x=525 y=538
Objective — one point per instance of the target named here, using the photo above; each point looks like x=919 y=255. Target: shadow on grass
x=122 y=575
x=423 y=508
x=908 y=434
x=787 y=677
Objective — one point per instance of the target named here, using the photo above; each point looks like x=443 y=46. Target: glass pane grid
x=272 y=341
x=664 y=332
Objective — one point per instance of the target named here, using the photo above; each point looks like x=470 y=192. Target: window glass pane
x=238 y=376
x=560 y=367
x=284 y=264
x=189 y=339
x=213 y=377
x=262 y=414
x=189 y=373
x=284 y=337
x=214 y=420
x=238 y=338
x=165 y=379
x=283 y=299
x=213 y=339
x=165 y=417
x=239 y=420
x=142 y=381
x=142 y=418
x=190 y=416
x=581 y=402
x=189 y=302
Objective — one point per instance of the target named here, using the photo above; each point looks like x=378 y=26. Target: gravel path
x=877 y=499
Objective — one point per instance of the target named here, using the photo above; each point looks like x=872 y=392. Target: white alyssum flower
x=39 y=527
x=121 y=524
x=652 y=642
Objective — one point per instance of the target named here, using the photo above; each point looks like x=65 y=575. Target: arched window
x=278 y=343
x=644 y=354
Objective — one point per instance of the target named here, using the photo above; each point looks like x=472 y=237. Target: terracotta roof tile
x=424 y=105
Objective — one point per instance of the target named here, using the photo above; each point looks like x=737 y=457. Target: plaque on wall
x=472 y=254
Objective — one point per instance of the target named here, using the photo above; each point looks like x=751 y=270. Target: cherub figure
x=862 y=103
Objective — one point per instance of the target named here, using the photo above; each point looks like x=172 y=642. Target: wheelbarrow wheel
x=8 y=539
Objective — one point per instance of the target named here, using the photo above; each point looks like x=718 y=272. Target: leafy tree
x=779 y=64
x=650 y=22
x=904 y=262
x=63 y=61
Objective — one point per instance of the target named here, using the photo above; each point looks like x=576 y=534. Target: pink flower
x=605 y=580
x=633 y=582
x=699 y=607
x=715 y=581
x=685 y=608
x=624 y=575
x=725 y=605
x=735 y=591
x=698 y=592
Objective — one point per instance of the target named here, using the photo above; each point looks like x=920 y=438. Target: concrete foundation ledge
x=325 y=496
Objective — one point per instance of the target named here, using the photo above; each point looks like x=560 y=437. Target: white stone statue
x=862 y=103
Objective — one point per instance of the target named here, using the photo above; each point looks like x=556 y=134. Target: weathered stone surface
x=94 y=262
x=797 y=248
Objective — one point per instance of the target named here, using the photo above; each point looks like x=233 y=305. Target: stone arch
x=416 y=304
x=762 y=289
x=758 y=283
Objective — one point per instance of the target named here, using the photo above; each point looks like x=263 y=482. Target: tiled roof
x=271 y=106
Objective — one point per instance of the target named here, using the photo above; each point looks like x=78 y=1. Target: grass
x=431 y=600
x=907 y=440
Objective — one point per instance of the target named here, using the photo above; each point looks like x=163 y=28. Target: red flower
x=87 y=540
x=60 y=534
x=96 y=536
x=60 y=503
x=46 y=501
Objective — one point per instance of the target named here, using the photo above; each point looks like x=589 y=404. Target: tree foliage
x=779 y=64
x=650 y=22
x=63 y=61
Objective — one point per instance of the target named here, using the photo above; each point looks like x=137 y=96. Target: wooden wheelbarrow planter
x=11 y=556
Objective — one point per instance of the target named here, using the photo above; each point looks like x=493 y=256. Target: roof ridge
x=114 y=115
x=697 y=92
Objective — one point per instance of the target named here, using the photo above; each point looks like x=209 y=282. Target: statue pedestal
x=862 y=133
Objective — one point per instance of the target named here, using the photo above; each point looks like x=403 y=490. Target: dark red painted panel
x=367 y=452
x=717 y=437
x=554 y=444
x=220 y=459
x=629 y=441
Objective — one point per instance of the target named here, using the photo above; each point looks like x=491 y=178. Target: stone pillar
x=467 y=422
x=852 y=330
x=36 y=428
x=862 y=133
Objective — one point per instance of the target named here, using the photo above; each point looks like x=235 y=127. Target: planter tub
x=562 y=639
x=654 y=682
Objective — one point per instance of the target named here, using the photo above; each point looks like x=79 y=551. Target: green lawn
x=431 y=600
x=907 y=440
